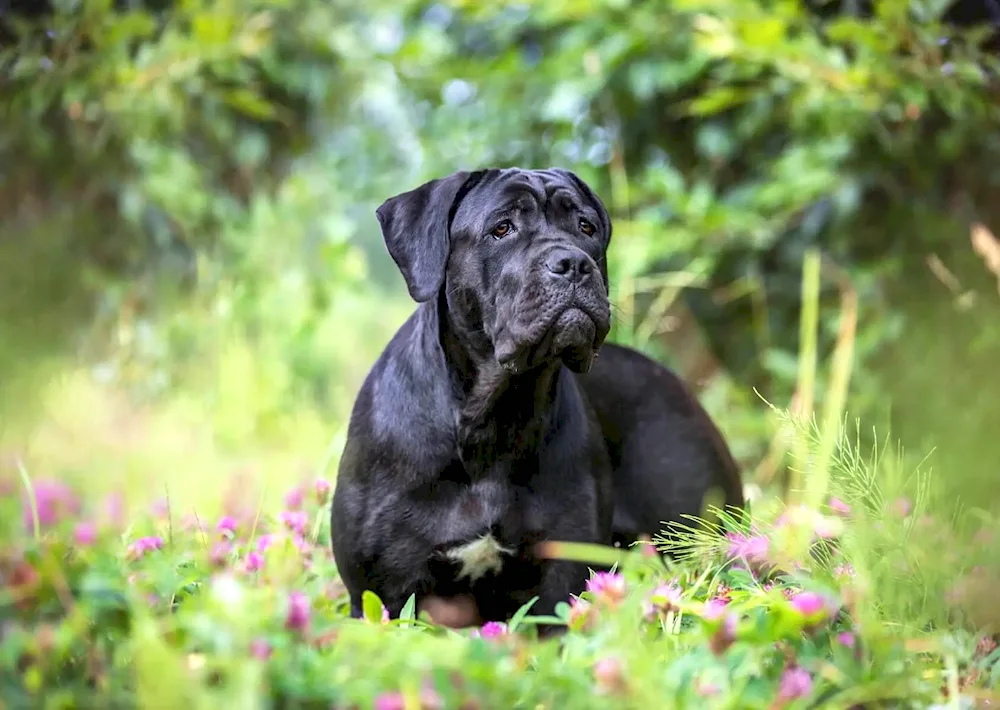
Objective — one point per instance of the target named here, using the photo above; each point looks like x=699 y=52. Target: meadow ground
x=225 y=595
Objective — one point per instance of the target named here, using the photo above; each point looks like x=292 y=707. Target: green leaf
x=520 y=614
x=372 y=607
x=562 y=610
x=409 y=612
x=249 y=103
x=537 y=620
x=717 y=100
x=582 y=552
x=741 y=577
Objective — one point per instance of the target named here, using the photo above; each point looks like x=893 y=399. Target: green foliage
x=232 y=153
x=167 y=151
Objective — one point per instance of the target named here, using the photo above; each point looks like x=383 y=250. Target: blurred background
x=193 y=283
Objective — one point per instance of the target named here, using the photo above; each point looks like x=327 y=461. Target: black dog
x=486 y=426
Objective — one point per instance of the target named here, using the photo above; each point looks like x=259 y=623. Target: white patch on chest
x=482 y=555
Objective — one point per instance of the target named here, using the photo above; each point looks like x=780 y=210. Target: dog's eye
x=587 y=228
x=502 y=230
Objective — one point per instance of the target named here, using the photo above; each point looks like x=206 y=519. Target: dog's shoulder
x=644 y=404
x=405 y=409
x=624 y=374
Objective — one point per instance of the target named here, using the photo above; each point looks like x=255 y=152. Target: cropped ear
x=415 y=227
x=591 y=196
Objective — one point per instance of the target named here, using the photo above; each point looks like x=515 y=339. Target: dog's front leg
x=560 y=581
x=383 y=543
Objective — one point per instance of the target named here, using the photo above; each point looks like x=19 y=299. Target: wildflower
x=581 y=614
x=264 y=542
x=813 y=607
x=902 y=507
x=260 y=649
x=302 y=545
x=160 y=508
x=723 y=593
x=429 y=700
x=753 y=551
x=723 y=623
x=220 y=553
x=714 y=609
x=645 y=545
x=227 y=524
x=846 y=638
x=753 y=547
x=295 y=498
x=254 y=561
x=706 y=688
x=724 y=636
x=113 y=510
x=143 y=545
x=390 y=701
x=54 y=501
x=839 y=507
x=608 y=586
x=808 y=603
x=663 y=599
x=492 y=630
x=795 y=683
x=322 y=488
x=295 y=520
x=609 y=675
x=299 y=612
x=842 y=570
x=191 y=523
x=85 y=534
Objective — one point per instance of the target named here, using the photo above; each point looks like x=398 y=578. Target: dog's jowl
x=489 y=424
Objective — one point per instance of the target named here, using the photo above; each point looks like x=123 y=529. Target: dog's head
x=520 y=255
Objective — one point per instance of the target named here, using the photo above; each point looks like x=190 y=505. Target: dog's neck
x=502 y=415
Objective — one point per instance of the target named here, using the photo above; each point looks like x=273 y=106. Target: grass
x=864 y=588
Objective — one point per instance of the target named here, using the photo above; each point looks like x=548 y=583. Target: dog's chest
x=486 y=507
x=480 y=557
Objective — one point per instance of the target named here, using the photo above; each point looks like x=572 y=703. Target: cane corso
x=489 y=424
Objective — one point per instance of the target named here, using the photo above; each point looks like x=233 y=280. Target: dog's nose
x=570 y=264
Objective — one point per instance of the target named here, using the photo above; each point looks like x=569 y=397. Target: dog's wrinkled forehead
x=418 y=225
x=514 y=190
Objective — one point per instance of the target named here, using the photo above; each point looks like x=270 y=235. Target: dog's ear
x=415 y=227
x=591 y=196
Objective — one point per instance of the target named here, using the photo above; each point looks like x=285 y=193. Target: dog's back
x=666 y=451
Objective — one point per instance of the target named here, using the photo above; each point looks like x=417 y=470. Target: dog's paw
x=454 y=612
